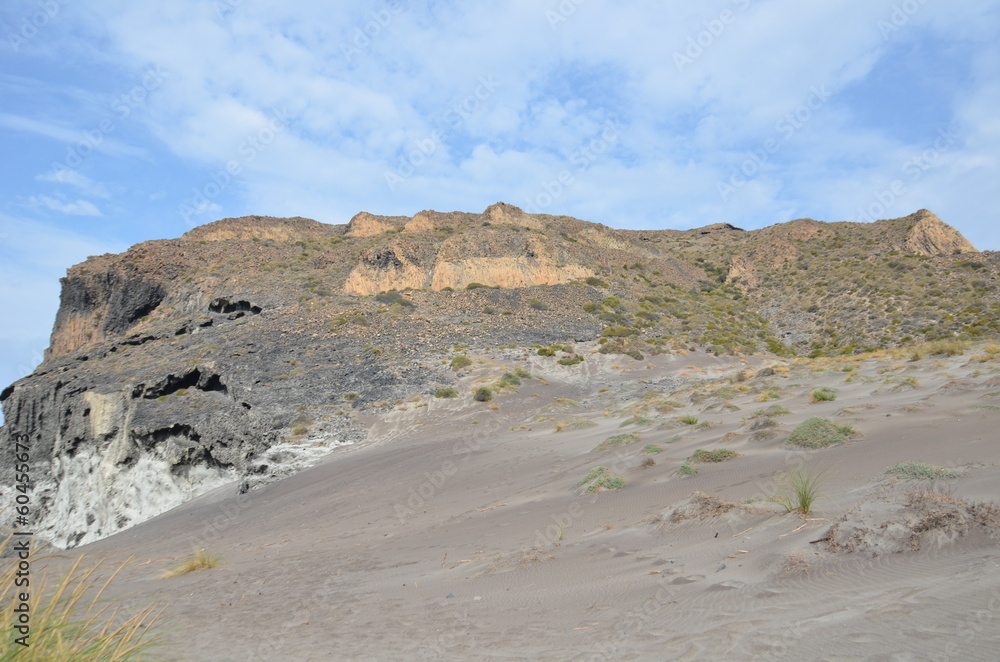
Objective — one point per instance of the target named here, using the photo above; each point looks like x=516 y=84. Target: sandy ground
x=458 y=531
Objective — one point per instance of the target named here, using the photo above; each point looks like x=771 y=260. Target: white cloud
x=77 y=180
x=77 y=208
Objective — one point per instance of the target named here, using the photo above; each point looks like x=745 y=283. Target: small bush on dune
x=460 y=361
x=717 y=455
x=446 y=392
x=824 y=394
x=483 y=394
x=687 y=469
x=816 y=432
x=920 y=471
x=618 y=440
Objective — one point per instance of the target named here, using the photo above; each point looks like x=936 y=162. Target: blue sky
x=124 y=121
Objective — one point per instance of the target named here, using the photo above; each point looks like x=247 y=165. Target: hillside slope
x=247 y=348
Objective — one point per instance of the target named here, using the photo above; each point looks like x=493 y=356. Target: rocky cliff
x=247 y=348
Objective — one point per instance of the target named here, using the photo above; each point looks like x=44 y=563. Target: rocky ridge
x=248 y=347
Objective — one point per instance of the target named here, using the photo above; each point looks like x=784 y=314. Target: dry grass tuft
x=199 y=560
x=69 y=622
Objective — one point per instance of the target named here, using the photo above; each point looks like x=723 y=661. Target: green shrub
x=546 y=351
x=572 y=360
x=687 y=469
x=717 y=455
x=596 y=282
x=636 y=420
x=538 y=305
x=617 y=332
x=653 y=449
x=483 y=394
x=592 y=307
x=920 y=471
x=816 y=432
x=446 y=392
x=773 y=410
x=688 y=419
x=592 y=475
x=618 y=440
x=824 y=394
x=460 y=361
x=607 y=483
x=612 y=302
x=475 y=286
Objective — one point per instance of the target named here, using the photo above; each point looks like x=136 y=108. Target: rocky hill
x=248 y=347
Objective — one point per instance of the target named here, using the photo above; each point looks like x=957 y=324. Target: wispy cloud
x=73 y=208
x=70 y=136
x=75 y=179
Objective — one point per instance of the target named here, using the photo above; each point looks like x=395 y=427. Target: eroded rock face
x=393 y=266
x=106 y=458
x=930 y=236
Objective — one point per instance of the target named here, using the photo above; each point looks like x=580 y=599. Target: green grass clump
x=592 y=475
x=572 y=360
x=816 y=432
x=801 y=488
x=824 y=394
x=717 y=455
x=773 y=410
x=607 y=483
x=636 y=420
x=69 y=621
x=653 y=448
x=460 y=361
x=546 y=351
x=446 y=392
x=483 y=394
x=688 y=419
x=920 y=471
x=687 y=469
x=618 y=440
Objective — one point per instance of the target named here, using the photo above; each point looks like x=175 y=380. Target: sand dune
x=458 y=531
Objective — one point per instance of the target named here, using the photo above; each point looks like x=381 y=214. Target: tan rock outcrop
x=369 y=225
x=390 y=267
x=502 y=213
x=932 y=236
